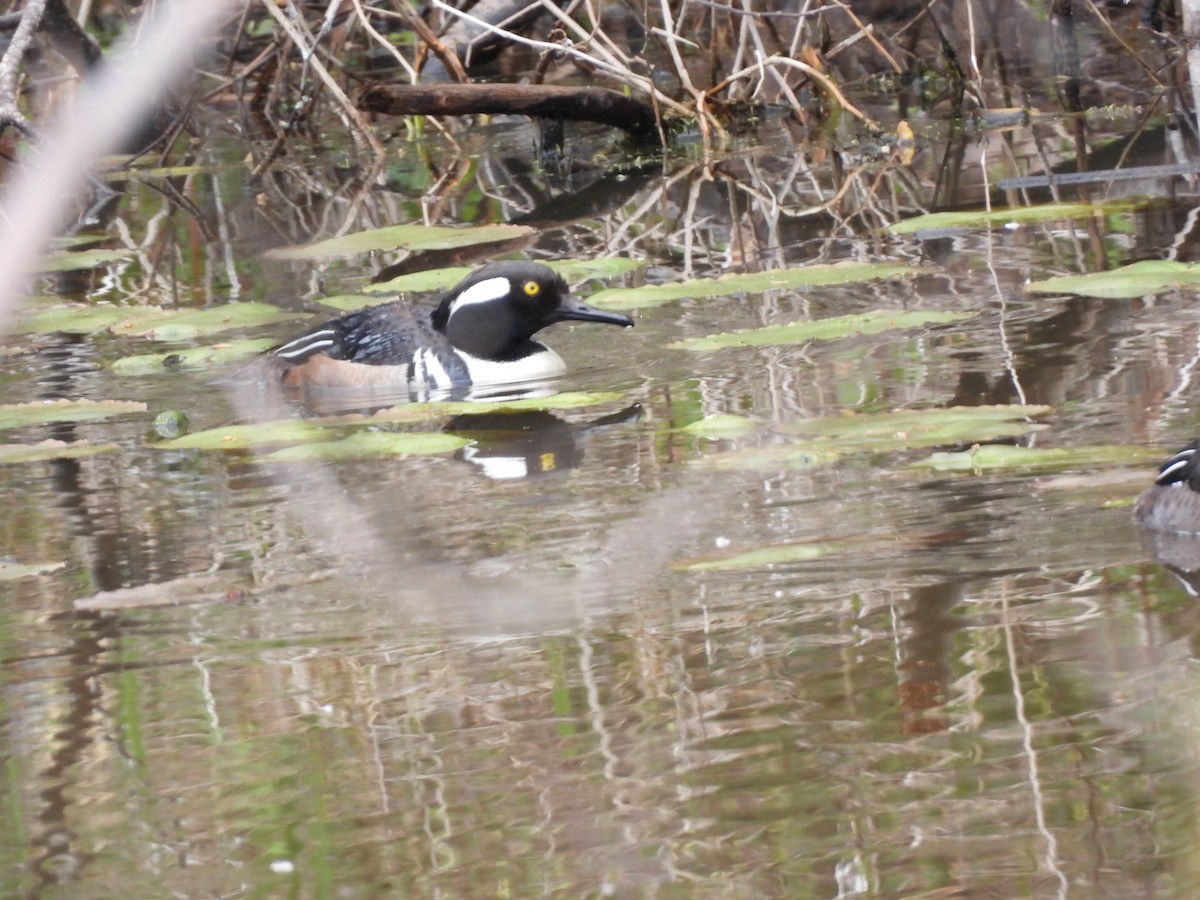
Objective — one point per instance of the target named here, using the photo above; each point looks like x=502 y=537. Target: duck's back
x=391 y=344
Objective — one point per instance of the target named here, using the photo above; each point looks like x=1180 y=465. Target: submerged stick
x=1132 y=173
x=588 y=104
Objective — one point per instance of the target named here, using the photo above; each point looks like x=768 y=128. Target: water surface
x=531 y=668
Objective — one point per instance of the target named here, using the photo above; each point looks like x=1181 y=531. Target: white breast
x=535 y=367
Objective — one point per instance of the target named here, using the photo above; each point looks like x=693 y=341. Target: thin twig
x=868 y=32
x=10 y=68
x=1124 y=43
x=322 y=73
x=365 y=21
x=820 y=77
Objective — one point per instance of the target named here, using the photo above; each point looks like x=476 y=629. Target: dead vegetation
x=688 y=79
x=684 y=64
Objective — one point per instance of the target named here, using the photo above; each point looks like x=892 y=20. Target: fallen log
x=587 y=104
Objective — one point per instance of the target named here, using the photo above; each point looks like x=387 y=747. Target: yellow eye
x=532 y=288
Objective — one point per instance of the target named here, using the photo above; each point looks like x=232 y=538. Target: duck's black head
x=495 y=311
x=1183 y=468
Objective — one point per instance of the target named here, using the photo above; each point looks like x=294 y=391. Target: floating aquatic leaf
x=920 y=427
x=1120 y=480
x=80 y=259
x=71 y=318
x=440 y=279
x=190 y=358
x=189 y=589
x=39 y=412
x=749 y=282
x=424 y=412
x=10 y=571
x=993 y=457
x=11 y=454
x=395 y=237
x=420 y=282
x=565 y=400
x=721 y=425
x=184 y=324
x=1151 y=276
x=995 y=218
x=872 y=322
x=242 y=437
x=779 y=554
x=771 y=456
x=366 y=444
x=604 y=267
x=151 y=321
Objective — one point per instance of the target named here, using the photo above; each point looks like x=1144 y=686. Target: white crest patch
x=483 y=292
x=1171 y=469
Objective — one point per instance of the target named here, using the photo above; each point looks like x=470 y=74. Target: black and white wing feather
x=393 y=334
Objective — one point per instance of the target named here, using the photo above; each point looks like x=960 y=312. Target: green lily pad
x=872 y=322
x=244 y=437
x=602 y=268
x=721 y=425
x=901 y=429
x=80 y=259
x=999 y=457
x=771 y=457
x=425 y=412
x=11 y=454
x=999 y=217
x=151 y=321
x=748 y=282
x=420 y=282
x=780 y=554
x=185 y=324
x=10 y=571
x=190 y=358
x=71 y=318
x=40 y=412
x=441 y=279
x=1139 y=279
x=396 y=237
x=366 y=444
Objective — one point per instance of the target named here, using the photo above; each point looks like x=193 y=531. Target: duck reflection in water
x=525 y=444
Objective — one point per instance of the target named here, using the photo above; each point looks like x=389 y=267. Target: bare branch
x=299 y=39
x=10 y=68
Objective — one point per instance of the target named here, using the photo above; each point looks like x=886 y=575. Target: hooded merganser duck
x=480 y=332
x=1172 y=503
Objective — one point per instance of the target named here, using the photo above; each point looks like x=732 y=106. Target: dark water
x=507 y=672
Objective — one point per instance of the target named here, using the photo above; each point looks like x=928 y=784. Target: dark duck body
x=1172 y=503
x=481 y=332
